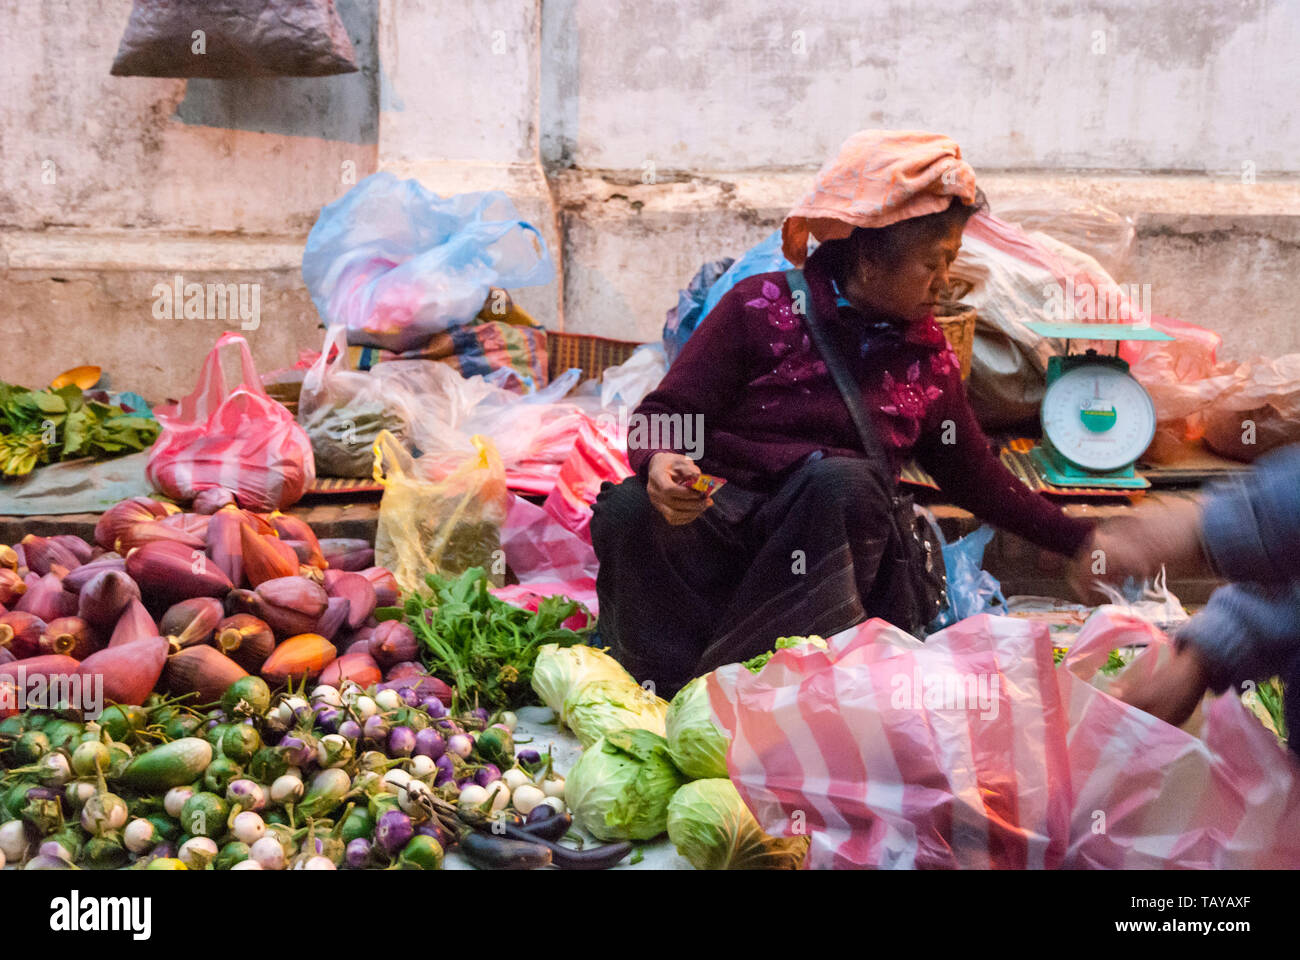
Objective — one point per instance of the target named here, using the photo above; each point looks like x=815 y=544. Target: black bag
x=235 y=38
x=917 y=585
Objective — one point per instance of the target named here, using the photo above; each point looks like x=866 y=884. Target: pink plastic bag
x=840 y=745
x=545 y=556
x=1012 y=764
x=1219 y=792
x=595 y=458
x=241 y=440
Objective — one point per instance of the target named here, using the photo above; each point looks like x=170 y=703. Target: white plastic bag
x=396 y=264
x=344 y=411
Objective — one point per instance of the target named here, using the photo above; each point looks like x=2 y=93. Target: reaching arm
x=1251 y=525
x=956 y=453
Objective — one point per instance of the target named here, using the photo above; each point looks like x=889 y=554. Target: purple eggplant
x=375 y=728
x=350 y=729
x=528 y=756
x=486 y=774
x=429 y=743
x=329 y=719
x=446 y=770
x=401 y=742
x=434 y=707
x=297 y=751
x=357 y=855
x=393 y=831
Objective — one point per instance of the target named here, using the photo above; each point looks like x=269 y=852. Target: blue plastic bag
x=398 y=264
x=682 y=319
x=765 y=257
x=707 y=288
x=972 y=590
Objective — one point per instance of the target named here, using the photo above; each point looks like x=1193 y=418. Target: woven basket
x=957 y=321
x=591 y=354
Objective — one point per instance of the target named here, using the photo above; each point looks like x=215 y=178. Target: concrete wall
x=642 y=138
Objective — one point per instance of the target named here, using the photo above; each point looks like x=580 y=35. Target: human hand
x=1138 y=544
x=678 y=504
x=1173 y=692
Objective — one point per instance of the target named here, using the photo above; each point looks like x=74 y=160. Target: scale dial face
x=1099 y=418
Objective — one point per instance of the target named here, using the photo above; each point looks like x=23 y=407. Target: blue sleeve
x=1251 y=525
x=1247 y=631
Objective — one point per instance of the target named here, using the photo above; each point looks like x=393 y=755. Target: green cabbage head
x=711 y=827
x=604 y=706
x=561 y=670
x=620 y=788
x=697 y=745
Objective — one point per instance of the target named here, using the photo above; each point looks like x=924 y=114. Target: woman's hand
x=1138 y=544
x=1173 y=692
x=678 y=504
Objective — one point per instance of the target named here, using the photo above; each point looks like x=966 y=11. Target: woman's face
x=908 y=289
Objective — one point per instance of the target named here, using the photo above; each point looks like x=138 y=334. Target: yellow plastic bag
x=434 y=521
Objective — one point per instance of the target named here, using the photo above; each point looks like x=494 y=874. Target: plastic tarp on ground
x=972 y=750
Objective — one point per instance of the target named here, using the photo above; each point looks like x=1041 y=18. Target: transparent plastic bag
x=397 y=264
x=439 y=522
x=344 y=411
x=1098 y=231
x=1258 y=411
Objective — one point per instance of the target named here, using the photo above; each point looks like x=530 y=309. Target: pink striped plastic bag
x=1219 y=792
x=240 y=439
x=837 y=745
x=866 y=747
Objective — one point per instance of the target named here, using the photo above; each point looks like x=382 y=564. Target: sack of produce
x=710 y=826
x=234 y=38
x=344 y=411
x=439 y=524
x=396 y=264
x=240 y=440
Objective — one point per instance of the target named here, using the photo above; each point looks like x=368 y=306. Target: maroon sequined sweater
x=766 y=402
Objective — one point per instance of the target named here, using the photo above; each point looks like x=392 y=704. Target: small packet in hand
x=706 y=484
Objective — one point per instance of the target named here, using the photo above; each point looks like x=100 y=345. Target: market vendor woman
x=798 y=540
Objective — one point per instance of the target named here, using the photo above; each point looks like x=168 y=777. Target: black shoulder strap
x=844 y=381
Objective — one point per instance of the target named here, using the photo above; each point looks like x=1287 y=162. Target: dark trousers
x=676 y=602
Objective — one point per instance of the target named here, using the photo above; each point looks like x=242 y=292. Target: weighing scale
x=1097 y=419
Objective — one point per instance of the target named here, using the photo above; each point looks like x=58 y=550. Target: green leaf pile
x=46 y=426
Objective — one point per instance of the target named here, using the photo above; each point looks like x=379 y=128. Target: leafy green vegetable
x=601 y=707
x=619 y=789
x=485 y=646
x=45 y=426
x=559 y=671
x=782 y=643
x=696 y=744
x=710 y=826
x=1270 y=694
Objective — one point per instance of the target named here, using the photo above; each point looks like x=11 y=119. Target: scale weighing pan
x=1097 y=419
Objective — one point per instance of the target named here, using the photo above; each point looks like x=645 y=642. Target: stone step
x=1020 y=567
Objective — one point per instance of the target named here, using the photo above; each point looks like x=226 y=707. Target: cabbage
x=603 y=706
x=711 y=827
x=756 y=664
x=561 y=670
x=619 y=789
x=696 y=744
